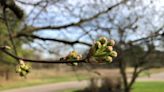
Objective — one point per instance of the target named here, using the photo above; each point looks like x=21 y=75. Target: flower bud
x=109 y=59
x=18 y=69
x=22 y=73
x=26 y=67
x=73 y=54
x=103 y=40
x=113 y=53
x=21 y=61
x=79 y=57
x=22 y=66
x=8 y=47
x=111 y=43
x=109 y=48
x=98 y=44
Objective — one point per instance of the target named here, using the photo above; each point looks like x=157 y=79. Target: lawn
x=45 y=76
x=140 y=87
x=148 y=87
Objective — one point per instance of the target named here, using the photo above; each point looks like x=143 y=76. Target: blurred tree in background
x=53 y=28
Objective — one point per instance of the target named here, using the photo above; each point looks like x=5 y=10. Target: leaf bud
x=109 y=59
x=109 y=48
x=111 y=43
x=113 y=54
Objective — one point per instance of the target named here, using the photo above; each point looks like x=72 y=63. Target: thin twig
x=9 y=31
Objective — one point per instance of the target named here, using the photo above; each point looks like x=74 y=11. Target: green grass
x=148 y=87
x=140 y=87
x=46 y=80
x=68 y=90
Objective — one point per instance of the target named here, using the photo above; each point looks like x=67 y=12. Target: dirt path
x=153 y=77
x=52 y=87
x=56 y=87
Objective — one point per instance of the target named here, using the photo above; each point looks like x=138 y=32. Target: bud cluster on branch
x=23 y=69
x=73 y=56
x=100 y=52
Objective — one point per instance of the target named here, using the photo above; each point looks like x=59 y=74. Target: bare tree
x=132 y=23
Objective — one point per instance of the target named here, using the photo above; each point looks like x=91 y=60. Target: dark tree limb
x=134 y=77
x=76 y=23
x=3 y=49
x=52 y=39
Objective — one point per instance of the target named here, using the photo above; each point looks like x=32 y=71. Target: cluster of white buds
x=102 y=50
x=73 y=56
x=23 y=69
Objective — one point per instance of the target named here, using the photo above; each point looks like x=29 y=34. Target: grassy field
x=148 y=87
x=45 y=76
x=41 y=77
x=140 y=87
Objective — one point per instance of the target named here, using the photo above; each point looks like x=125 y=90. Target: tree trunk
x=127 y=89
x=7 y=73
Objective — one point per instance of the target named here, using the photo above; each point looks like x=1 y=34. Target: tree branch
x=155 y=34
x=52 y=39
x=77 y=23
x=3 y=49
x=134 y=76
